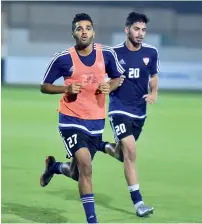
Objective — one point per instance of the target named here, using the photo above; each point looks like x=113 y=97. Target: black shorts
x=74 y=139
x=124 y=126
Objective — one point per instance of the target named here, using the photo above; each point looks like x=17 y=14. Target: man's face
x=83 y=33
x=136 y=32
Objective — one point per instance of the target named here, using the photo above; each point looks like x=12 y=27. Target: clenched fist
x=74 y=88
x=151 y=98
x=104 y=88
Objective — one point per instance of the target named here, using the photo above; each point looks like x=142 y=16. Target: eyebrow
x=136 y=27
x=86 y=26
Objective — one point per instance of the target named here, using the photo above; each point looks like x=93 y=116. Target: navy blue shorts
x=124 y=126
x=74 y=139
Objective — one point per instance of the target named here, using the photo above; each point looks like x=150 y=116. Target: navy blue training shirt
x=139 y=66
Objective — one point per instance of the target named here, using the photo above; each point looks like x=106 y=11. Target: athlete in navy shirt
x=127 y=106
x=141 y=65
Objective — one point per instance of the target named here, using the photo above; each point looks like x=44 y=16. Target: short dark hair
x=134 y=17
x=79 y=17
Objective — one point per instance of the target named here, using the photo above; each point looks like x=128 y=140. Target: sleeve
x=113 y=67
x=154 y=68
x=56 y=69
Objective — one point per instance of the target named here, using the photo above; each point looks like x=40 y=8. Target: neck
x=85 y=51
x=132 y=47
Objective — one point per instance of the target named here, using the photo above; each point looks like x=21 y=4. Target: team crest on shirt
x=146 y=60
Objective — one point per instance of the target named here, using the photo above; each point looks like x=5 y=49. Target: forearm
x=153 y=84
x=114 y=84
x=52 y=89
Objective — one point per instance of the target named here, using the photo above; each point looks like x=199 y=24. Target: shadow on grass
x=34 y=213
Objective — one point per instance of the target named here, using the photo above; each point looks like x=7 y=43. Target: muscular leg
x=82 y=167
x=130 y=171
x=83 y=161
x=129 y=154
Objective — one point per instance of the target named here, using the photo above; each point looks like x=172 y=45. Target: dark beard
x=133 y=42
x=82 y=46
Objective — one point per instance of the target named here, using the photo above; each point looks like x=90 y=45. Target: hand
x=122 y=78
x=74 y=88
x=151 y=98
x=104 y=88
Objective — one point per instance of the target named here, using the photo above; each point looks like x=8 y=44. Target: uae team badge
x=146 y=61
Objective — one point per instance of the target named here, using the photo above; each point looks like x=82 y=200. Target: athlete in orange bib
x=82 y=107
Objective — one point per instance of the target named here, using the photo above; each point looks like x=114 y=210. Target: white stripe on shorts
x=114 y=131
x=69 y=154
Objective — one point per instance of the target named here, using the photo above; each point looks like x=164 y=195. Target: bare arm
x=153 y=84
x=52 y=89
x=114 y=84
x=47 y=88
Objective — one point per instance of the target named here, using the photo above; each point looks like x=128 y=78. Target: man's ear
x=126 y=29
x=73 y=35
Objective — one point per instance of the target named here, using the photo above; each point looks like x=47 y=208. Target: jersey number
x=120 y=129
x=134 y=73
x=72 y=141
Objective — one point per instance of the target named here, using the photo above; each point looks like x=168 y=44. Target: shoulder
x=108 y=53
x=150 y=48
x=118 y=46
x=106 y=50
x=60 y=56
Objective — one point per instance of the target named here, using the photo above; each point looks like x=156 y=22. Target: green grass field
x=169 y=163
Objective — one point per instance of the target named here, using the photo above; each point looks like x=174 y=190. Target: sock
x=56 y=168
x=102 y=146
x=89 y=207
x=136 y=197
